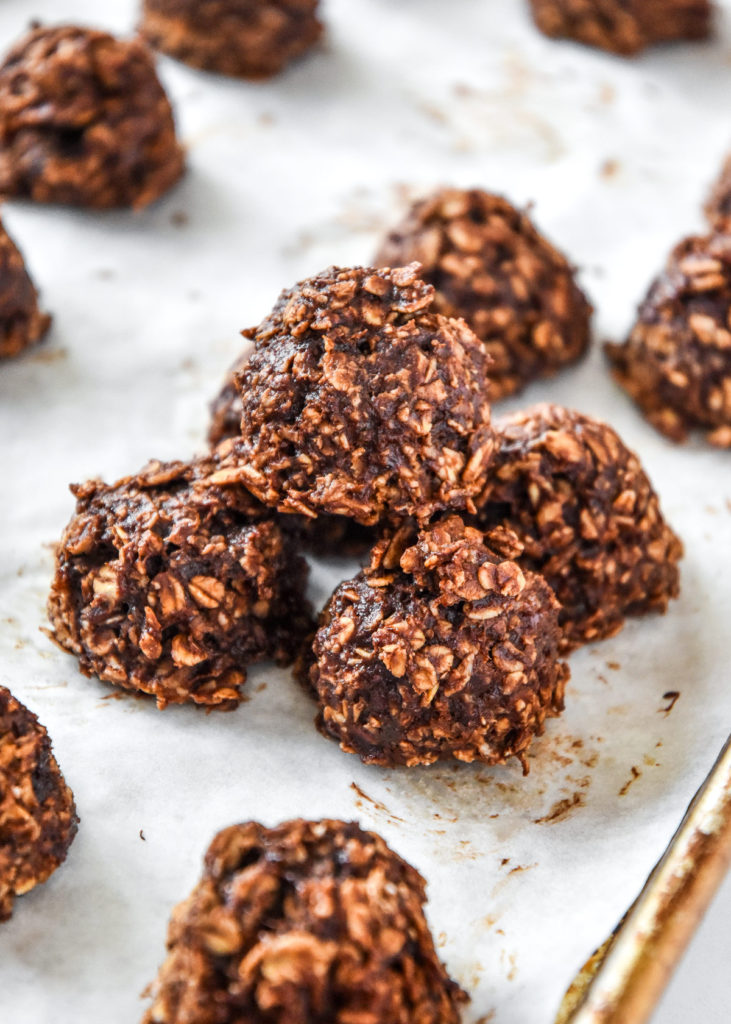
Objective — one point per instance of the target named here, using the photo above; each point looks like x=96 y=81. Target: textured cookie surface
x=244 y=38
x=443 y=648
x=676 y=362
x=624 y=26
x=489 y=264
x=587 y=517
x=171 y=584
x=21 y=321
x=85 y=121
x=37 y=813
x=306 y=923
x=357 y=401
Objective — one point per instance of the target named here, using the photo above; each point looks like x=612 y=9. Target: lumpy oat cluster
x=442 y=647
x=244 y=38
x=624 y=27
x=85 y=121
x=21 y=321
x=171 y=584
x=359 y=401
x=38 y=819
x=676 y=362
x=489 y=264
x=586 y=516
x=309 y=921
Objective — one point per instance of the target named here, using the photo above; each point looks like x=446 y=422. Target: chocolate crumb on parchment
x=85 y=121
x=21 y=321
x=357 y=401
x=587 y=516
x=316 y=922
x=38 y=819
x=442 y=647
x=489 y=264
x=624 y=27
x=171 y=584
x=243 y=38
x=676 y=362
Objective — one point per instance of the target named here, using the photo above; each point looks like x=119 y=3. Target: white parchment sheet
x=525 y=876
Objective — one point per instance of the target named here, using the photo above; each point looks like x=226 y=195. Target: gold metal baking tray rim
x=623 y=980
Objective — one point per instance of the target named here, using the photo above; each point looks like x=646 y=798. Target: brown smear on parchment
x=447 y=794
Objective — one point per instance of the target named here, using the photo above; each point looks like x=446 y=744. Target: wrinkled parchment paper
x=525 y=876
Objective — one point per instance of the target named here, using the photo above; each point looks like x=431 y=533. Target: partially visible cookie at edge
x=38 y=819
x=624 y=27
x=243 y=38
x=316 y=921
x=676 y=362
x=22 y=323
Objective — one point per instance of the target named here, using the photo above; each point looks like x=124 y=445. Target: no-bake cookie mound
x=489 y=264
x=170 y=583
x=357 y=401
x=37 y=814
x=85 y=121
x=316 y=922
x=587 y=517
x=245 y=38
x=676 y=363
x=446 y=648
x=21 y=321
x=624 y=27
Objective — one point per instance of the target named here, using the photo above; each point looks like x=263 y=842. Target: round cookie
x=21 y=321
x=38 y=819
x=243 y=38
x=171 y=584
x=309 y=921
x=444 y=648
x=676 y=362
x=587 y=517
x=624 y=27
x=359 y=402
x=85 y=121
x=489 y=264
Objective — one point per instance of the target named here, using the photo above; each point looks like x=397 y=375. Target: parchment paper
x=525 y=876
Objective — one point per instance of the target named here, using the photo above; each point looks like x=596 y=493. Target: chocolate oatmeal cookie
x=357 y=401
x=441 y=648
x=37 y=813
x=316 y=922
x=244 y=38
x=84 y=121
x=624 y=27
x=21 y=321
x=489 y=264
x=676 y=363
x=169 y=583
x=587 y=517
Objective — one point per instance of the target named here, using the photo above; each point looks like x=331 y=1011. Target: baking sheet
x=525 y=876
